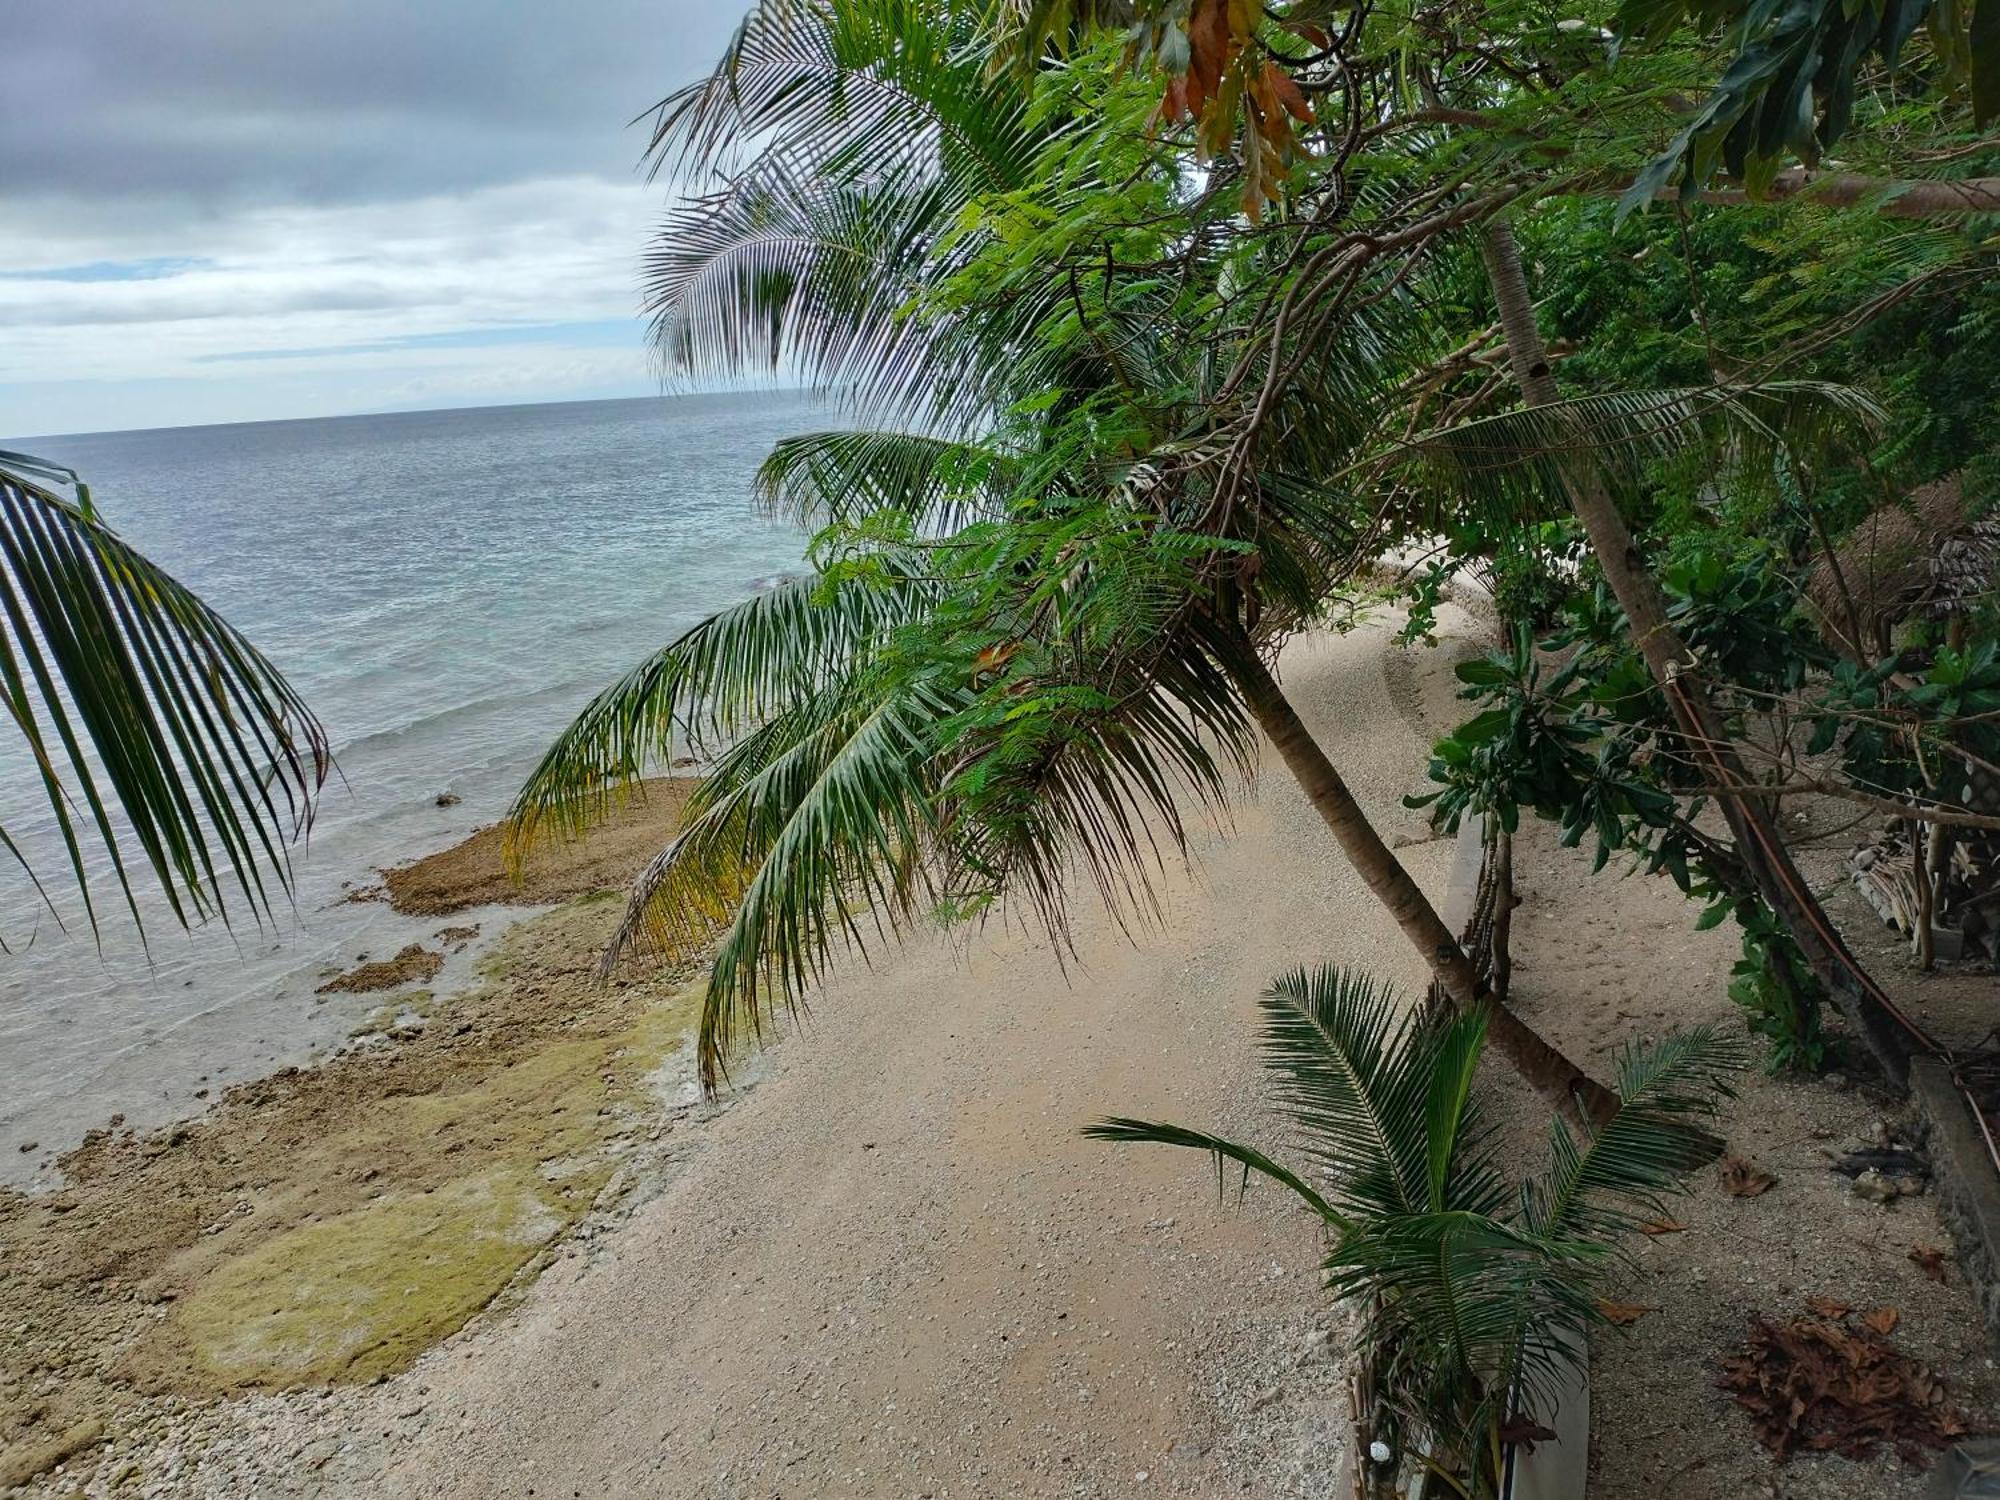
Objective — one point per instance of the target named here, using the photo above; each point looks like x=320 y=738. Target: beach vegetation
x=1148 y=340
x=1474 y=1291
x=162 y=740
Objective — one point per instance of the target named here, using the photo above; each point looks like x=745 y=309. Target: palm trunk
x=1759 y=844
x=1555 y=1077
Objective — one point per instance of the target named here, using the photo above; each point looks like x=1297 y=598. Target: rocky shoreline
x=322 y=1227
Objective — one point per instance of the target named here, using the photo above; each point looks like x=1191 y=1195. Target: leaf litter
x=1815 y=1384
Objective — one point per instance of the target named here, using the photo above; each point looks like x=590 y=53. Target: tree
x=1475 y=102
x=130 y=693
x=957 y=716
x=1474 y=1292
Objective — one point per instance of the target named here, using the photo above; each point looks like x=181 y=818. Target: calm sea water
x=446 y=589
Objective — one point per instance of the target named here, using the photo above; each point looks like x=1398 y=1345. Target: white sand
x=896 y=1268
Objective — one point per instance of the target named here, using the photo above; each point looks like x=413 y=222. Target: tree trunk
x=1555 y=1077
x=1758 y=842
x=1505 y=899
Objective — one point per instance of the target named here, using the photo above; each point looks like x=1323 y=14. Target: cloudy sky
x=232 y=210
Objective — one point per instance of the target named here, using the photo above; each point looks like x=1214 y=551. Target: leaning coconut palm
x=1084 y=349
x=1474 y=1293
x=1089 y=415
x=146 y=716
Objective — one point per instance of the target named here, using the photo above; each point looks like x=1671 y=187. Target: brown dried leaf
x=1662 y=1226
x=1883 y=1320
x=1930 y=1260
x=1744 y=1179
x=1822 y=1387
x=1827 y=1307
x=1622 y=1314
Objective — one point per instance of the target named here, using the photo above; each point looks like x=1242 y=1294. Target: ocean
x=446 y=589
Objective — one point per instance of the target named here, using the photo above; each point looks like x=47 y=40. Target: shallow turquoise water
x=446 y=589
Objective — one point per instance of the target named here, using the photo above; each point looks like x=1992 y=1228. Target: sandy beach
x=500 y=1248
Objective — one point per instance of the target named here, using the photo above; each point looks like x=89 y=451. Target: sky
x=236 y=210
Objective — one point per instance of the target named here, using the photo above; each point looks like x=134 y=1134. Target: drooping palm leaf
x=132 y=695
x=901 y=88
x=736 y=669
x=1514 y=465
x=822 y=478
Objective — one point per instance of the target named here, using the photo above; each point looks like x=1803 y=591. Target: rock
x=1835 y=1081
x=448 y=799
x=1970 y=1471
x=1873 y=1187
x=27 y=1146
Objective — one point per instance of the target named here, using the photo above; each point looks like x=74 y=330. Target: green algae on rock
x=365 y=1292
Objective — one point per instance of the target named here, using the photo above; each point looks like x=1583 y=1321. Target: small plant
x=1475 y=1291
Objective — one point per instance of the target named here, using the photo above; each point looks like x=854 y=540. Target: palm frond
x=1350 y=1076
x=135 y=696
x=737 y=669
x=820 y=820
x=1148 y=1132
x=898 y=87
x=779 y=269
x=1615 y=1176
x=822 y=478
x=1514 y=465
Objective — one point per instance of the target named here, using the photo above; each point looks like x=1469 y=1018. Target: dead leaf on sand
x=1827 y=1307
x=1883 y=1320
x=1745 y=1179
x=1662 y=1226
x=1622 y=1314
x=1815 y=1386
x=1930 y=1260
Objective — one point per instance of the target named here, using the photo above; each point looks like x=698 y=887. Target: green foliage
x=1777 y=993
x=132 y=695
x=1912 y=733
x=1473 y=1290
x=1791 y=87
x=1589 y=744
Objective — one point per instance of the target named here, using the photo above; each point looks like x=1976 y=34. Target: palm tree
x=137 y=701
x=879 y=743
x=1475 y=1291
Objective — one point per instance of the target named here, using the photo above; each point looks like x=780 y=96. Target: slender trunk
x=1504 y=901
x=1552 y=1075
x=1758 y=842
x=1920 y=860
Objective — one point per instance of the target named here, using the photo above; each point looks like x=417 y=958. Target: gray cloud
x=212 y=210
x=224 y=102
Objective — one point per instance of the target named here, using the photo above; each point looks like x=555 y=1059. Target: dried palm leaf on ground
x=1819 y=1385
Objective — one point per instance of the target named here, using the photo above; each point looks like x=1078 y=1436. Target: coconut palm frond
x=1149 y=1132
x=777 y=268
x=1516 y=464
x=1614 y=1177
x=898 y=87
x=1341 y=1045
x=143 y=705
x=1060 y=777
x=824 y=478
x=821 y=824
x=736 y=669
